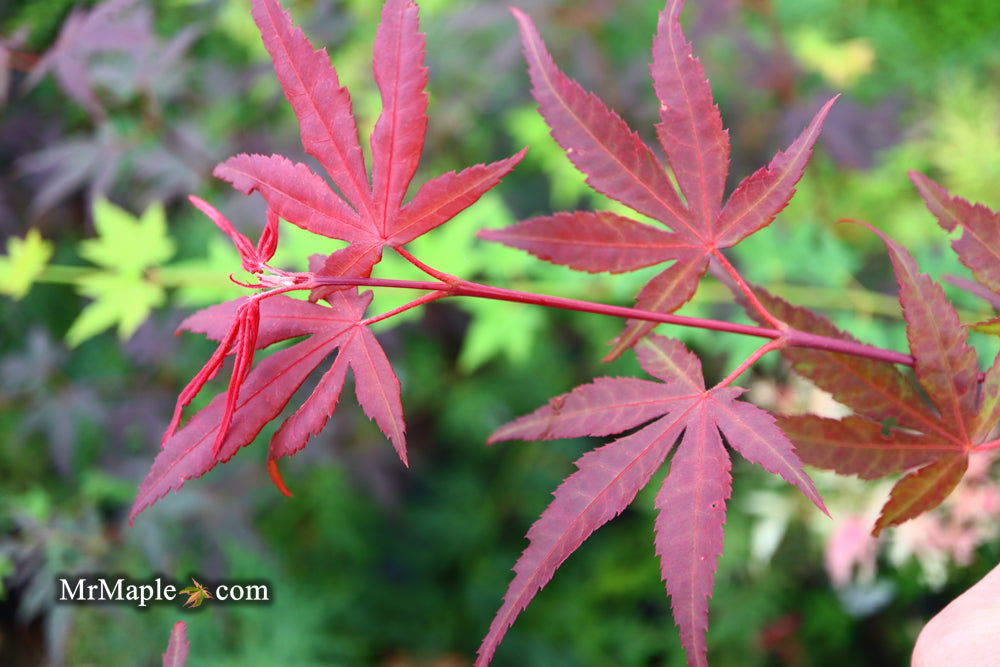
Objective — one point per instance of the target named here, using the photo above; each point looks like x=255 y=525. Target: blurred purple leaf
x=29 y=369
x=66 y=166
x=159 y=70
x=854 y=133
x=48 y=405
x=117 y=26
x=168 y=174
x=58 y=416
x=113 y=50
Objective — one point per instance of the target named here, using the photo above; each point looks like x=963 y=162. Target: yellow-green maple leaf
x=26 y=259
x=125 y=248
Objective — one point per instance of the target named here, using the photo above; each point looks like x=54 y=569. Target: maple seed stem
x=750 y=361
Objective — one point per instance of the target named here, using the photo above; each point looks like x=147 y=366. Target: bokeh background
x=112 y=112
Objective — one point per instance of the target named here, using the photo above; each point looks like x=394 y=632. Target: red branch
x=791 y=337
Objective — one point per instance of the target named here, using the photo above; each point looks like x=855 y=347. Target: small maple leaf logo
x=196 y=594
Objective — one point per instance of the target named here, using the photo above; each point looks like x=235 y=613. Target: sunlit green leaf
x=127 y=244
x=499 y=329
x=117 y=301
x=25 y=260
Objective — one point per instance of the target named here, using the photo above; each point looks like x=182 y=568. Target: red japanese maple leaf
x=338 y=328
x=692 y=499
x=369 y=215
x=894 y=429
x=617 y=163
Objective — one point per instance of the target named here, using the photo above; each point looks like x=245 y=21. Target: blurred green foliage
x=371 y=564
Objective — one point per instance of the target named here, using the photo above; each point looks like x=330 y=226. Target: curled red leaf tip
x=253 y=259
x=268 y=242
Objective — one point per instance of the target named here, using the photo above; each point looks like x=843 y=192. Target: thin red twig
x=750 y=361
x=429 y=270
x=751 y=297
x=419 y=301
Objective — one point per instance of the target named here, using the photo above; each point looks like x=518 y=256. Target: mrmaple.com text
x=120 y=589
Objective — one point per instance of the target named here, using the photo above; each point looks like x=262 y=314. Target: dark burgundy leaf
x=690 y=127
x=321 y=104
x=398 y=137
x=876 y=389
x=444 y=197
x=945 y=364
x=665 y=292
x=613 y=157
x=295 y=193
x=192 y=450
x=605 y=483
